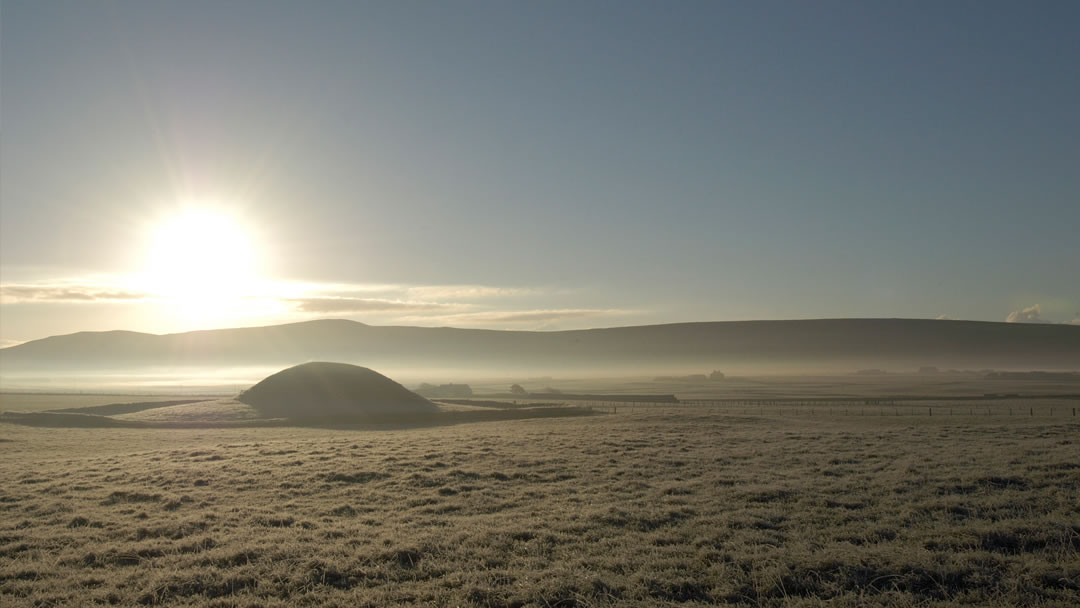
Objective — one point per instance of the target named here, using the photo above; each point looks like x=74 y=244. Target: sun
x=202 y=259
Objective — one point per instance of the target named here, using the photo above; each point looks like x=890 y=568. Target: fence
x=1034 y=408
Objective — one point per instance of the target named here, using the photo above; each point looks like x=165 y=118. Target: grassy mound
x=332 y=389
x=225 y=412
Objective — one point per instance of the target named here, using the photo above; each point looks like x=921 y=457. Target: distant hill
x=847 y=344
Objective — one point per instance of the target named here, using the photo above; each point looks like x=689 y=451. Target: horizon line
x=353 y=321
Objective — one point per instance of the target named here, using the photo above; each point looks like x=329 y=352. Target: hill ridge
x=834 y=343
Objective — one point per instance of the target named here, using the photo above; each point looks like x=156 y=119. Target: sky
x=169 y=166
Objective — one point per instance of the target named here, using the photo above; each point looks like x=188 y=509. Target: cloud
x=1031 y=314
x=466 y=305
x=418 y=299
x=345 y=289
x=307 y=296
x=944 y=318
x=67 y=293
x=541 y=318
x=328 y=304
x=531 y=316
x=412 y=292
x=465 y=292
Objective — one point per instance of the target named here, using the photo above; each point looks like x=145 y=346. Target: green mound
x=332 y=389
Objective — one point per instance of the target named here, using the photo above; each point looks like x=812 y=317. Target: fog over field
x=753 y=347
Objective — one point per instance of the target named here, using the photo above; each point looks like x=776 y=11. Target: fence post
x=930 y=410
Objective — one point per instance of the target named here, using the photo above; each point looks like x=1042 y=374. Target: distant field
x=679 y=505
x=39 y=402
x=810 y=387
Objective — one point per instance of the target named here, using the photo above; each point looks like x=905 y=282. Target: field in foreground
x=638 y=508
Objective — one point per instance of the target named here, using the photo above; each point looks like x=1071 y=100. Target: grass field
x=39 y=402
x=692 y=505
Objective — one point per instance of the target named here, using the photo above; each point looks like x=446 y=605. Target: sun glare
x=203 y=260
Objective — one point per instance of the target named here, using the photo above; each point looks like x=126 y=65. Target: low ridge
x=814 y=345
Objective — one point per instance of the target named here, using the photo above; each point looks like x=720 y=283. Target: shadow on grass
x=115 y=409
x=50 y=419
x=369 y=421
